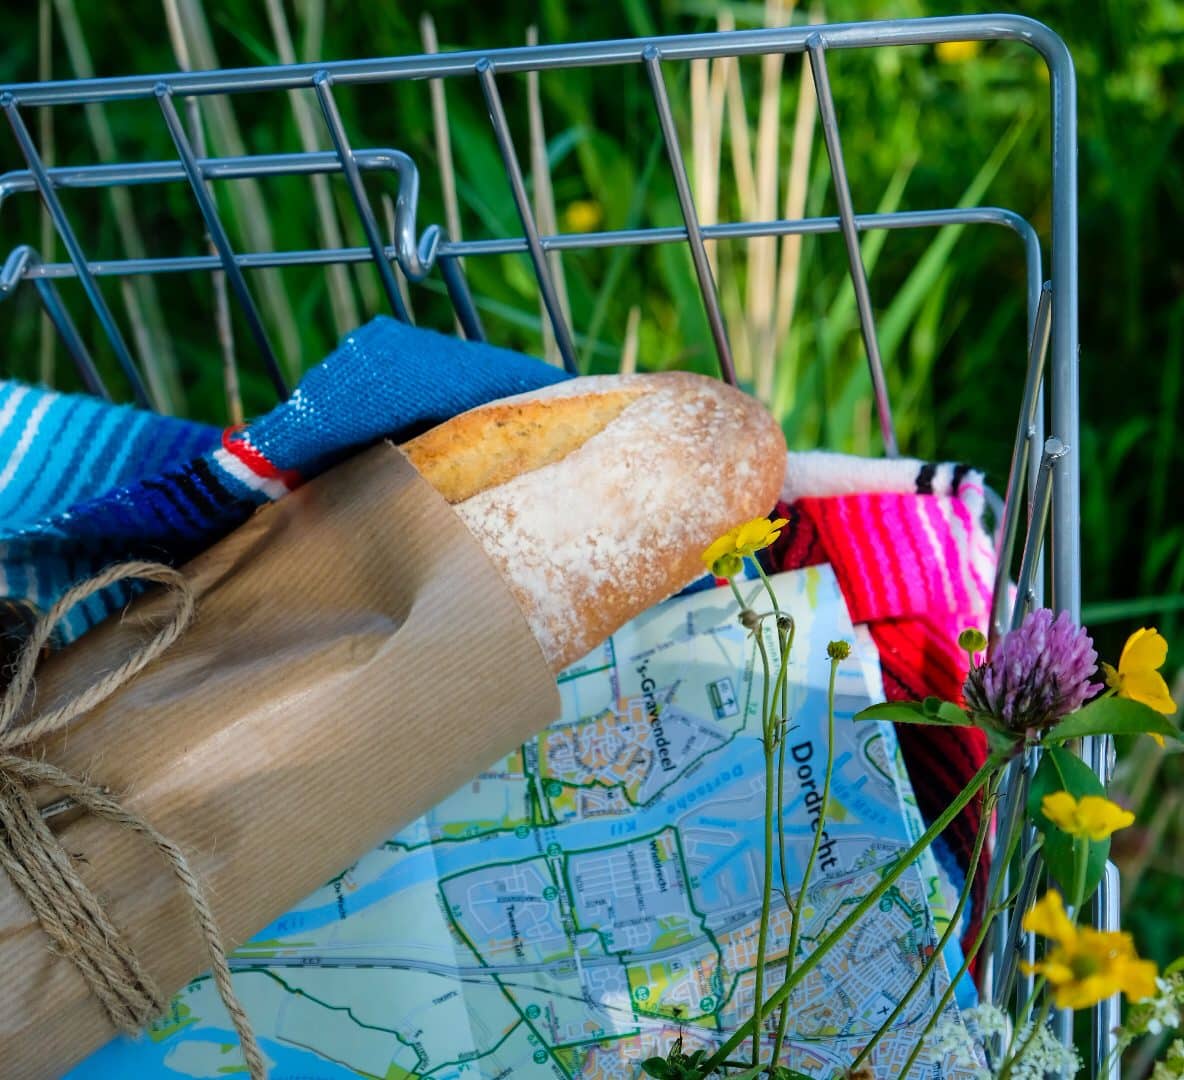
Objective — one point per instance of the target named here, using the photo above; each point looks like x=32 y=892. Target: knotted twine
x=70 y=914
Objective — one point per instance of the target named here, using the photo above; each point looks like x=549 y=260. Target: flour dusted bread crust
x=596 y=496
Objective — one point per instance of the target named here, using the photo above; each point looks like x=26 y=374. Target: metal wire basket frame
x=1049 y=468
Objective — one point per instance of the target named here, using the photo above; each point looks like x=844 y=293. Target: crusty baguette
x=596 y=496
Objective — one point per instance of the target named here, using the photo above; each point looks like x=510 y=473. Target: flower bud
x=838 y=650
x=972 y=640
x=749 y=619
x=785 y=623
x=728 y=566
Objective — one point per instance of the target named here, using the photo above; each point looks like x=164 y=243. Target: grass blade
x=544 y=205
x=47 y=337
x=145 y=315
x=245 y=196
x=341 y=293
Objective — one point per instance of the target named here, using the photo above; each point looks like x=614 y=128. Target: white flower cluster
x=963 y=1041
x=1046 y=1056
x=1155 y=1015
x=1172 y=1066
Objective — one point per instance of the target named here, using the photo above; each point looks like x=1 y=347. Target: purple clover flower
x=1038 y=673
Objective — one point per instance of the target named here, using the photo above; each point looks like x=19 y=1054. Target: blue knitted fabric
x=84 y=483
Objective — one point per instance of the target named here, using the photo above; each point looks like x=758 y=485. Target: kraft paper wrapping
x=355 y=658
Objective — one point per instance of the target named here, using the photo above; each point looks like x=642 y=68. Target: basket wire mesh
x=1042 y=489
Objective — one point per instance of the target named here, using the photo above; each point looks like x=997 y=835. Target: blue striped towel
x=84 y=483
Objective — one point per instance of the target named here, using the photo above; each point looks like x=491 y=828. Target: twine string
x=71 y=915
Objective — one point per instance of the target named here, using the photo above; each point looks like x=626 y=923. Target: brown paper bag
x=355 y=658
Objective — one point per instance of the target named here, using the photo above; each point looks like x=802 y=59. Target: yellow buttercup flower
x=954 y=52
x=723 y=557
x=1091 y=816
x=582 y=216
x=758 y=533
x=1085 y=966
x=1137 y=676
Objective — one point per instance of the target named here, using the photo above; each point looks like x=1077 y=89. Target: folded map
x=595 y=896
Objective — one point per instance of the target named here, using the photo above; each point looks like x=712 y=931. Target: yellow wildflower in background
x=1137 y=676
x=583 y=215
x=954 y=52
x=724 y=557
x=1085 y=966
x=1091 y=816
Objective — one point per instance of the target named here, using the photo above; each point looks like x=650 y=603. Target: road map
x=595 y=895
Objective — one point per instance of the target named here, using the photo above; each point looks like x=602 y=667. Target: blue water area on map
x=135 y=1059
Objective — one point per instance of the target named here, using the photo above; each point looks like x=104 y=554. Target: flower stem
x=767 y=886
x=1081 y=869
x=1013 y=1059
x=796 y=924
x=984 y=827
x=993 y=909
x=939 y=826
x=768 y=584
x=786 y=640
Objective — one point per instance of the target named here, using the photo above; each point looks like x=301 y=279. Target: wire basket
x=411 y=256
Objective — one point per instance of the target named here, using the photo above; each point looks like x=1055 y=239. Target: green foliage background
x=918 y=133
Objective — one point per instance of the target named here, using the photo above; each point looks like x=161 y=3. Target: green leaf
x=1060 y=770
x=929 y=711
x=945 y=711
x=656 y=1066
x=1112 y=716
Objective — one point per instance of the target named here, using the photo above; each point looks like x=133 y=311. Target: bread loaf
x=596 y=496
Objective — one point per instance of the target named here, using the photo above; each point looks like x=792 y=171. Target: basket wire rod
x=303 y=163
x=1065 y=542
x=686 y=201
x=326 y=161
x=1055 y=451
x=513 y=60
x=10 y=276
x=518 y=245
x=217 y=235
x=1007 y=938
x=816 y=50
x=461 y=296
x=353 y=177
x=505 y=144
x=1016 y=937
x=1107 y=911
x=1034 y=276
x=1025 y=429
x=77 y=257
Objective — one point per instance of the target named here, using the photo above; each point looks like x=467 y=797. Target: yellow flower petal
x=1099 y=817
x=952 y=52
x=1145 y=648
x=1047 y=917
x=1148 y=687
x=1061 y=809
x=1092 y=816
x=1086 y=966
x=725 y=545
x=1139 y=980
x=759 y=533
